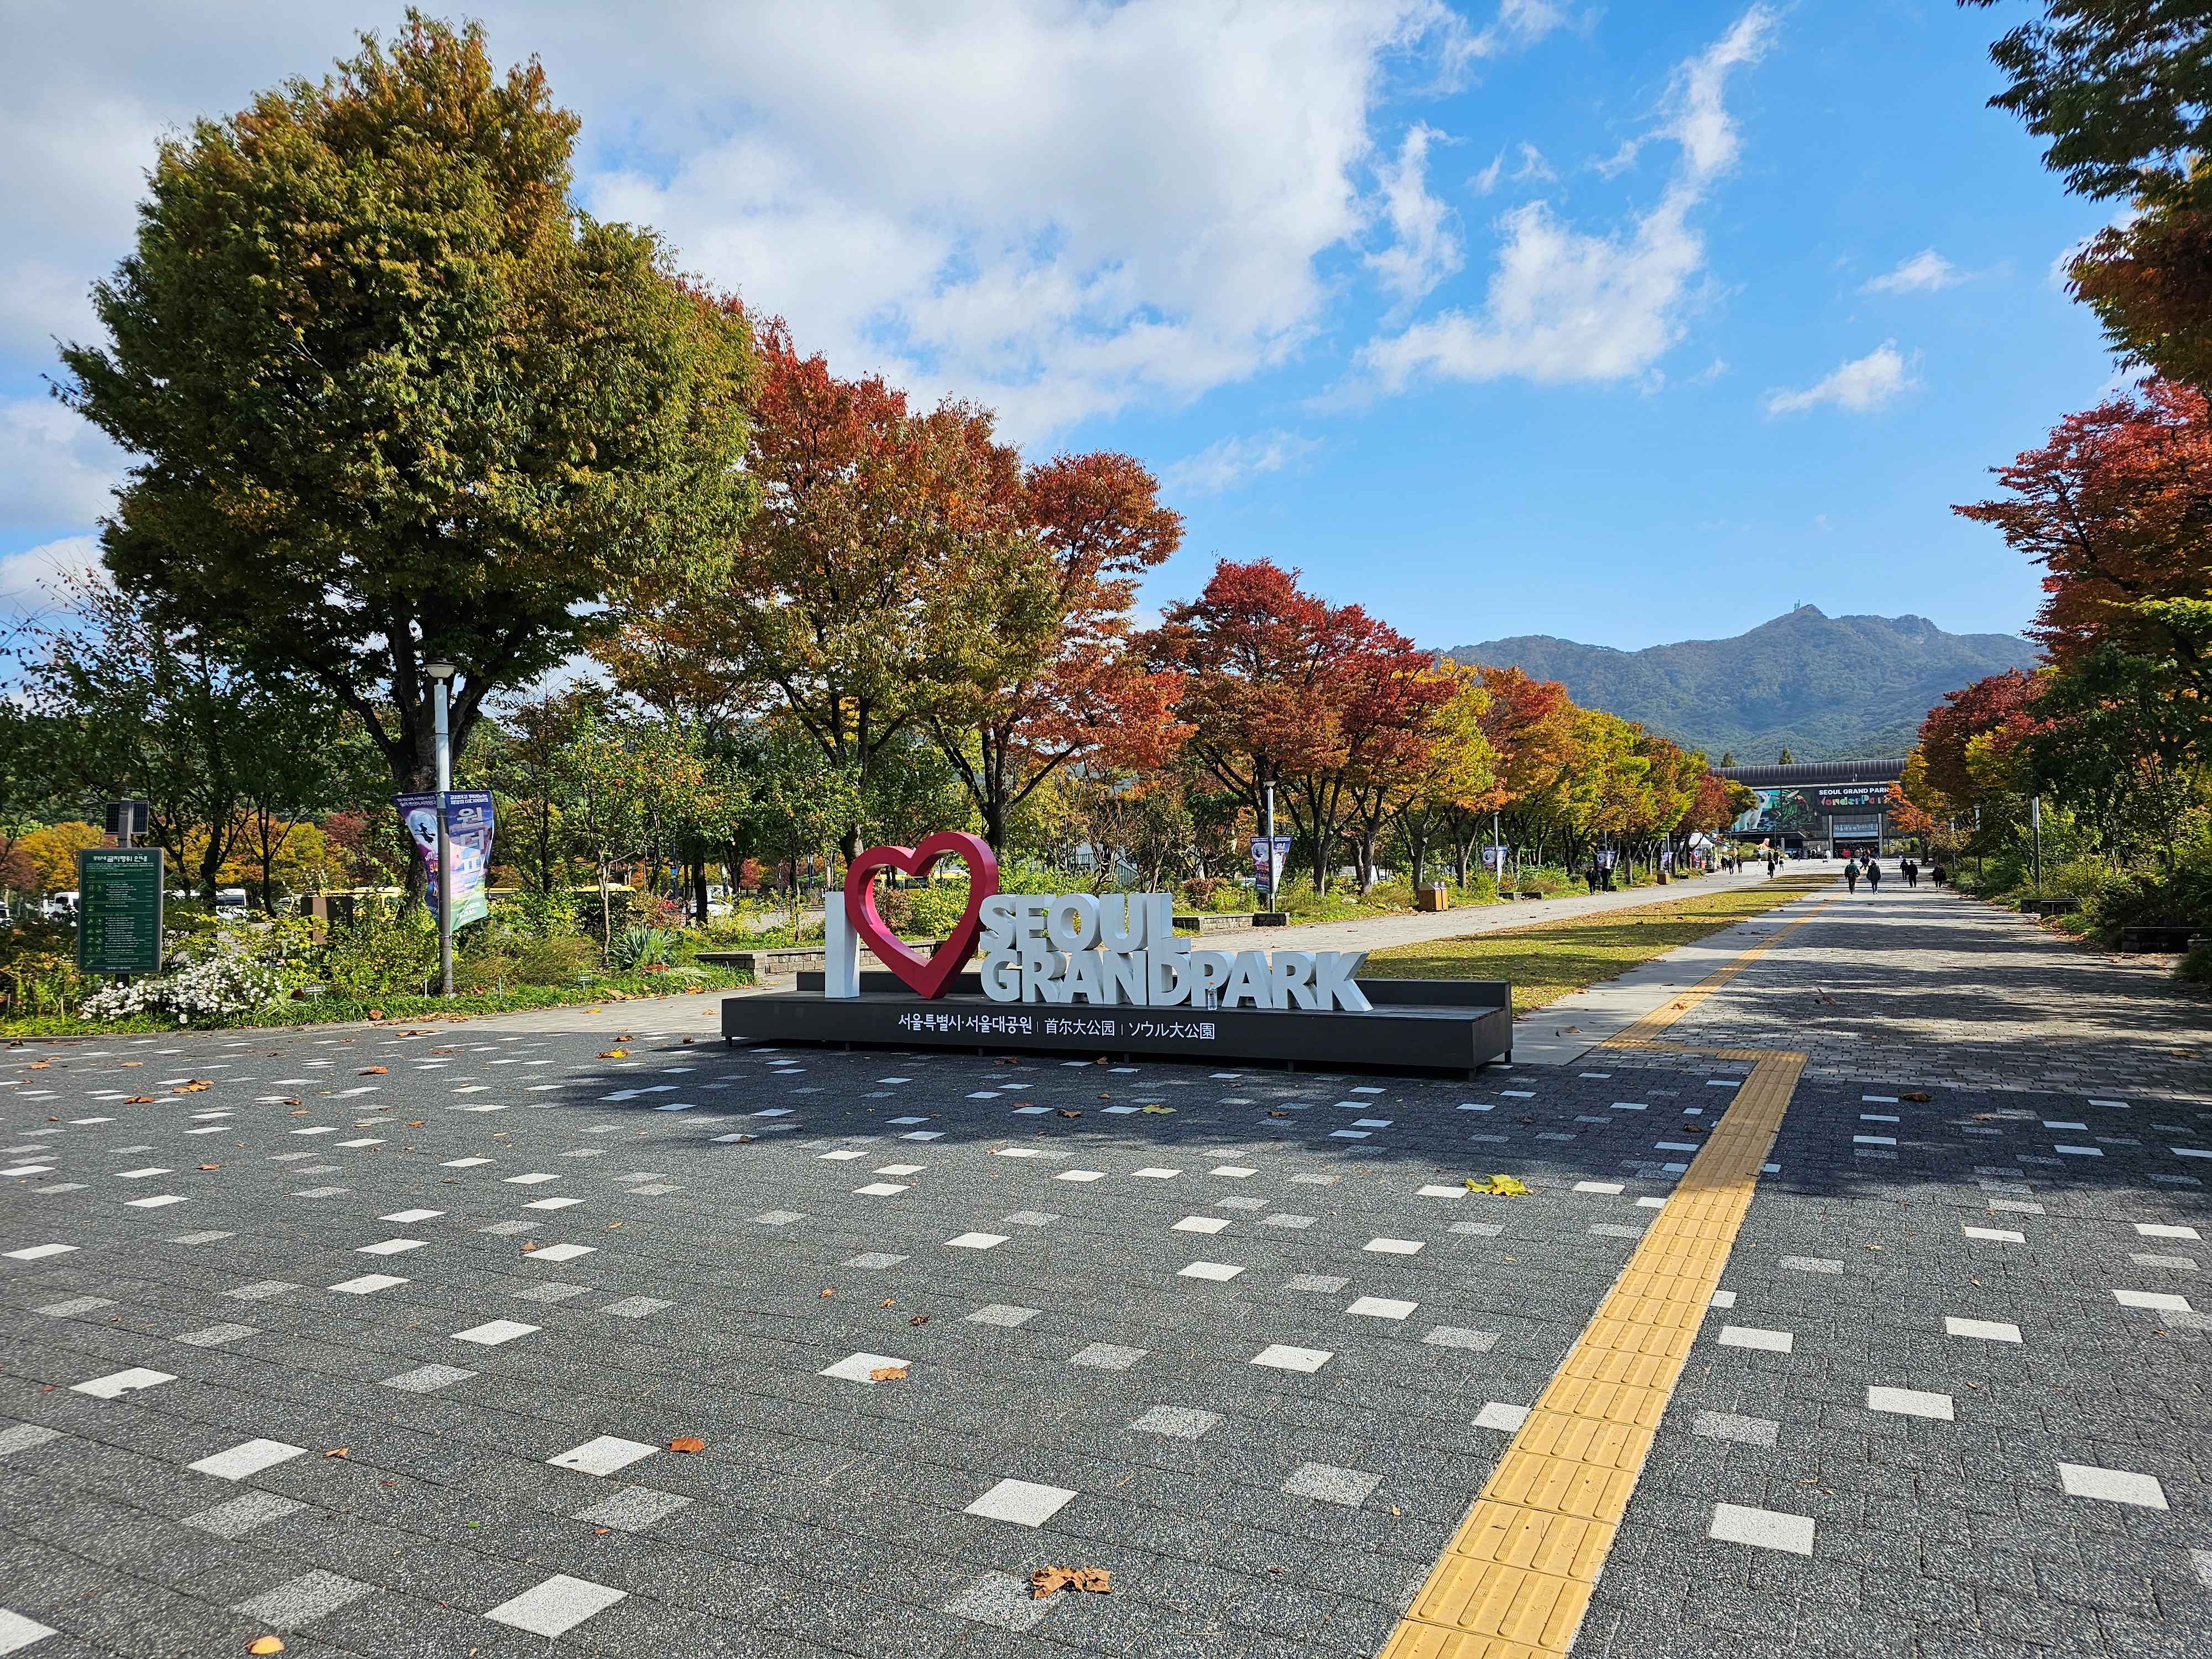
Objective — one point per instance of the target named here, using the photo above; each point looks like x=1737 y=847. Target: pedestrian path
x=1922 y=985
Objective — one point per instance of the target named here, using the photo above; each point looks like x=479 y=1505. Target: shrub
x=561 y=959
x=381 y=955
x=228 y=980
x=934 y=911
x=636 y=949
x=2196 y=965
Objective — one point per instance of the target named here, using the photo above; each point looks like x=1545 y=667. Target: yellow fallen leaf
x=1503 y=1186
x=198 y=1085
x=887 y=1374
x=336 y=1451
x=374 y=1070
x=1156 y=1111
x=614 y=1053
x=265 y=1644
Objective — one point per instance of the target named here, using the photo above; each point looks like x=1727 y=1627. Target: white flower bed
x=226 y=981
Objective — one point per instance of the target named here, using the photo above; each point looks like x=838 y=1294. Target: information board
x=119 y=924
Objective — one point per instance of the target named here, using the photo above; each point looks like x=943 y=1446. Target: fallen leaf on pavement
x=211 y=1166
x=1917 y=1095
x=687 y=1442
x=887 y=1374
x=336 y=1451
x=374 y=1070
x=1064 y=1112
x=294 y=1100
x=1503 y=1186
x=888 y=1301
x=376 y=1013
x=198 y=1085
x=1050 y=1581
x=265 y=1644
x=127 y=1064
x=831 y=1291
x=137 y=1100
x=415 y=1122
x=530 y=1245
x=614 y=1053
x=1157 y=1111
x=919 y=1319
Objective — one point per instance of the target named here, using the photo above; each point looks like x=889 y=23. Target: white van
x=230 y=904
x=61 y=906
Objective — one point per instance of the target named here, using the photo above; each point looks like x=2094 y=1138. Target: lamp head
x=440 y=671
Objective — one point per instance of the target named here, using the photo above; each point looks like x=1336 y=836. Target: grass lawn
x=1553 y=959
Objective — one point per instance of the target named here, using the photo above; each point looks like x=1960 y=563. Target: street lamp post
x=441 y=675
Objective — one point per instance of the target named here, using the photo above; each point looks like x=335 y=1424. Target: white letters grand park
x=1122 y=948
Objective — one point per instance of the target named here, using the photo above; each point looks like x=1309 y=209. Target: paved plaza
x=384 y=1339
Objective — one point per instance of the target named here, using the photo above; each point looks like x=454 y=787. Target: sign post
x=119 y=919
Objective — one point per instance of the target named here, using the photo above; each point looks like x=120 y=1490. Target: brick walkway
x=1921 y=985
x=1255 y=1353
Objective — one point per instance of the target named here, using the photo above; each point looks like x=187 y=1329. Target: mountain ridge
x=1825 y=687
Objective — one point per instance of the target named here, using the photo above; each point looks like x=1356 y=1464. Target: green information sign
x=119 y=927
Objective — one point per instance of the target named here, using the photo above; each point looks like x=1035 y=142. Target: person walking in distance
x=1873 y=875
x=1851 y=874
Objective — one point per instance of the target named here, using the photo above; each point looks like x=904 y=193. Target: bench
x=2050 y=907
x=2155 y=938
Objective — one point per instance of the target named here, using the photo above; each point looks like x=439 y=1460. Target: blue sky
x=1626 y=325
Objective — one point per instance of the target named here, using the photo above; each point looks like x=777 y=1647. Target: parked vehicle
x=61 y=906
x=230 y=904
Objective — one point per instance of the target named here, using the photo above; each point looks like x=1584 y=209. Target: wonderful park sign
x=1084 y=974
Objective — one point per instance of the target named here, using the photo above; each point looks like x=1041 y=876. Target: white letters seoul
x=1115 y=947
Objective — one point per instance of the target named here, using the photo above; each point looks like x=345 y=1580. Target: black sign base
x=1417 y=1026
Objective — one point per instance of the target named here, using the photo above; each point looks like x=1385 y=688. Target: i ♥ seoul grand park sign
x=1099 y=949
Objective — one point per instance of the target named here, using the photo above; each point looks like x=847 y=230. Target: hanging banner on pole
x=468 y=834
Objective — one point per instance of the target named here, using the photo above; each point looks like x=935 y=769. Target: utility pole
x=441 y=675
x=2035 y=828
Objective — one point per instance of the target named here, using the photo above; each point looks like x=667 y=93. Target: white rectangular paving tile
x=1751 y=1336
x=494 y=1332
x=603 y=1454
x=1984 y=1330
x=1219 y=1272
x=1023 y=1502
x=236 y=1516
x=2111 y=1485
x=632 y=1509
x=1499 y=1415
x=249 y=1458
x=1736 y=1523
x=556 y=1607
x=18 y=1630
x=116 y=1385
x=427 y=1379
x=298 y=1603
x=1381 y=1307
x=1910 y=1402
x=1284 y=1357
x=855 y=1368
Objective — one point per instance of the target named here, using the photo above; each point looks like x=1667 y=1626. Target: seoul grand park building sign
x=1100 y=950
x=1136 y=989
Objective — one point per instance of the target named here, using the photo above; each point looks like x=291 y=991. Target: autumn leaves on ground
x=1552 y=959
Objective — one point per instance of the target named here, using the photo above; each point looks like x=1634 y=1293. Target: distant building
x=1829 y=808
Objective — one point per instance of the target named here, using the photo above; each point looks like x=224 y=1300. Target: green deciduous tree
x=393 y=398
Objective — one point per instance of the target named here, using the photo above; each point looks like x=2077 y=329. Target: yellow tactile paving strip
x=1518 y=1577
x=1660 y=1019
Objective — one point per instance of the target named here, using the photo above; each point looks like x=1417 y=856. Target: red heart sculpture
x=925 y=977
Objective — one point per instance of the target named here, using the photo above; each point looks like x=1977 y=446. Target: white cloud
x=1234 y=461
x=1065 y=209
x=1565 y=304
x=1534 y=169
x=1863 y=384
x=1519 y=23
x=1061 y=207
x=1925 y=272
x=55 y=467
x=1424 y=250
x=32 y=580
